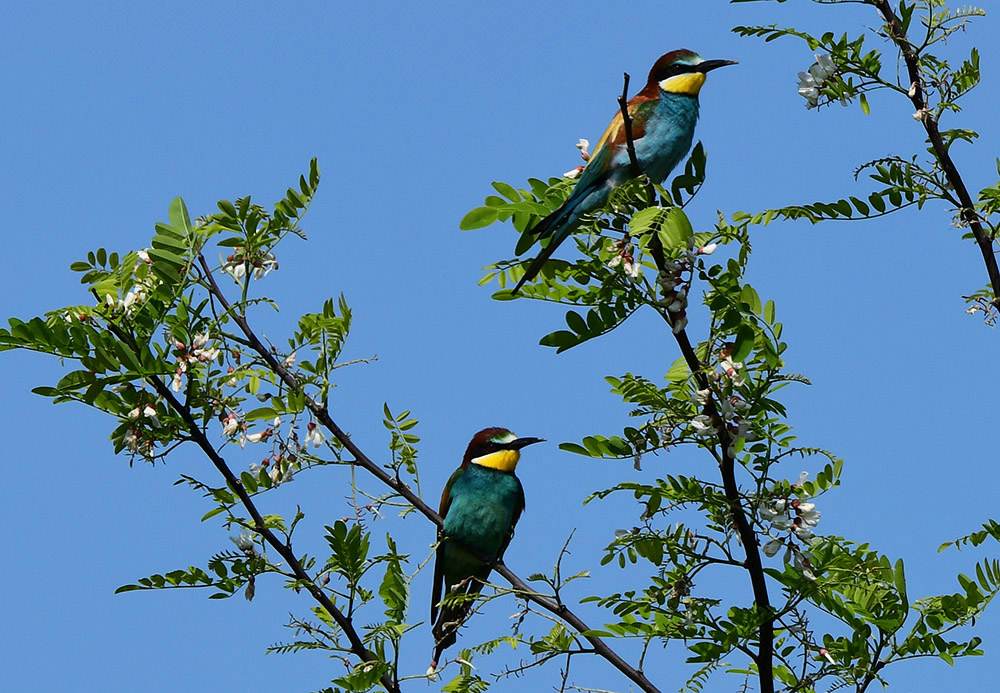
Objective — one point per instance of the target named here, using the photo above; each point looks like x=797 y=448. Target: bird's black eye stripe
x=674 y=70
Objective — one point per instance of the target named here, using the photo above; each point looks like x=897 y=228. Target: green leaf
x=179 y=216
x=679 y=370
x=212 y=513
x=675 y=230
x=507 y=191
x=262 y=413
x=863 y=100
x=744 y=343
x=478 y=218
x=749 y=296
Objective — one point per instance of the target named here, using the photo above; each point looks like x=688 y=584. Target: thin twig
x=321 y=413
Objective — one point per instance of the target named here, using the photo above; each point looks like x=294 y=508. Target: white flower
x=584 y=146
x=235 y=269
x=727 y=409
x=803 y=477
x=314 y=435
x=244 y=542
x=808 y=89
x=130 y=299
x=267 y=265
x=230 y=425
x=708 y=249
x=281 y=473
x=277 y=422
x=251 y=438
x=290 y=360
x=803 y=563
x=742 y=429
x=804 y=533
x=208 y=354
x=772 y=548
x=573 y=172
x=615 y=261
x=808 y=514
x=811 y=82
x=131 y=440
x=702 y=396
x=632 y=269
x=730 y=368
x=200 y=340
x=177 y=384
x=679 y=324
x=702 y=425
x=782 y=522
x=824 y=67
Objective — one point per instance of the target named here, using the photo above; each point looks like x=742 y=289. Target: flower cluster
x=625 y=258
x=812 y=81
x=279 y=468
x=793 y=519
x=144 y=284
x=197 y=352
x=674 y=285
x=237 y=264
x=730 y=369
x=731 y=410
x=140 y=416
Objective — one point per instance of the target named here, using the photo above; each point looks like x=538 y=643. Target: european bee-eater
x=663 y=115
x=481 y=503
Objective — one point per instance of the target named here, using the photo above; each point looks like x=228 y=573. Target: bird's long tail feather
x=557 y=227
x=450 y=617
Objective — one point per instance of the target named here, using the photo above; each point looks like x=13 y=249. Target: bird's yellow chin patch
x=503 y=460
x=688 y=83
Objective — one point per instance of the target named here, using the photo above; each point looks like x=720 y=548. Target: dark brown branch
x=637 y=171
x=627 y=122
x=284 y=550
x=918 y=97
x=753 y=563
x=321 y=413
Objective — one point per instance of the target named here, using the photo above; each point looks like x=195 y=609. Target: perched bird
x=481 y=503
x=663 y=115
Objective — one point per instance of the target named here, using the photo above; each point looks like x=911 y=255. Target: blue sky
x=111 y=111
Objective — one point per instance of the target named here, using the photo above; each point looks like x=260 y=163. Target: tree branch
x=748 y=537
x=233 y=481
x=918 y=97
x=321 y=413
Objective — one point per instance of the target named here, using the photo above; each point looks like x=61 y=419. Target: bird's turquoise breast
x=668 y=135
x=483 y=503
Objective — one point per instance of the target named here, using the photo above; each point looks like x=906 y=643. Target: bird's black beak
x=709 y=65
x=519 y=443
